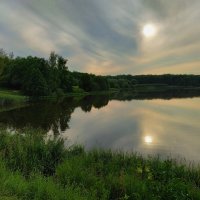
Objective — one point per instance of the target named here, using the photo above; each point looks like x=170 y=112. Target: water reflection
x=148 y=139
x=53 y=116
x=120 y=121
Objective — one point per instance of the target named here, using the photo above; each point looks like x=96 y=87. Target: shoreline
x=10 y=99
x=33 y=167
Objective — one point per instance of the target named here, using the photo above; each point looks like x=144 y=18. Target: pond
x=164 y=123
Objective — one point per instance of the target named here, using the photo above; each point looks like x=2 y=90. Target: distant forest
x=36 y=76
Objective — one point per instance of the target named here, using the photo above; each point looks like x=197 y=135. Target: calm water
x=153 y=123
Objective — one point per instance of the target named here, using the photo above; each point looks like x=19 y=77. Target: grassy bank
x=32 y=168
x=12 y=94
x=10 y=99
x=76 y=94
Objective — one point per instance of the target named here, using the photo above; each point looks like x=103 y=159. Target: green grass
x=15 y=186
x=10 y=99
x=77 y=89
x=11 y=93
x=34 y=168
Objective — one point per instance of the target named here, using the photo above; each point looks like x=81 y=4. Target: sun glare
x=149 y=30
x=148 y=139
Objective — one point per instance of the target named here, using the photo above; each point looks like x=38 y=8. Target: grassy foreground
x=33 y=168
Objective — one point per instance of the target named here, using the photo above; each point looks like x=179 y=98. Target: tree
x=102 y=83
x=36 y=84
x=53 y=59
x=86 y=82
x=62 y=63
x=4 y=59
x=2 y=53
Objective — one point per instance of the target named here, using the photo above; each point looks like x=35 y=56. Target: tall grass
x=28 y=152
x=32 y=168
x=14 y=186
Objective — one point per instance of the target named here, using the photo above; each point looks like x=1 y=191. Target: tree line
x=165 y=79
x=36 y=76
x=42 y=77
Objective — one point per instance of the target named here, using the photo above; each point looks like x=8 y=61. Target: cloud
x=105 y=36
x=186 y=67
x=26 y=28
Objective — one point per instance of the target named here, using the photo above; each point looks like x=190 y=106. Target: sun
x=149 y=30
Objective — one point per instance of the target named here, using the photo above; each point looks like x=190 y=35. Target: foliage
x=166 y=79
x=4 y=58
x=36 y=76
x=36 y=84
x=31 y=153
x=40 y=77
x=34 y=168
x=14 y=186
x=90 y=82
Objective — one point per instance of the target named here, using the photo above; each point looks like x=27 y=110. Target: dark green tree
x=53 y=59
x=86 y=82
x=35 y=84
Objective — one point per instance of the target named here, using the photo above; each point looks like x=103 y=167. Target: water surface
x=166 y=124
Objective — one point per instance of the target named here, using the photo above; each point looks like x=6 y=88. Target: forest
x=35 y=76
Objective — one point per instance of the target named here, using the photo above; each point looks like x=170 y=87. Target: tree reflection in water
x=48 y=116
x=55 y=116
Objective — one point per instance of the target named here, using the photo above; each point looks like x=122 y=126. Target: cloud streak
x=105 y=37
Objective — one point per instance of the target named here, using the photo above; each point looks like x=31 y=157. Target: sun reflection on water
x=148 y=139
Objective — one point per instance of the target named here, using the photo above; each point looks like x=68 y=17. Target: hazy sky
x=105 y=36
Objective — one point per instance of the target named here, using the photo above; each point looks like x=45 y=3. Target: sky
x=106 y=36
